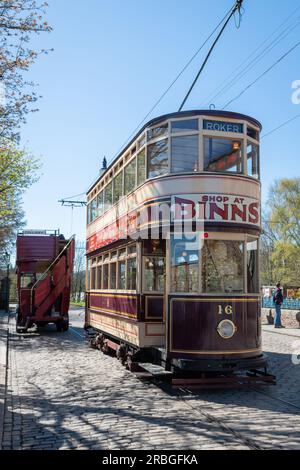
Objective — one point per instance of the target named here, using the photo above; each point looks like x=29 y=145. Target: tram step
x=154 y=369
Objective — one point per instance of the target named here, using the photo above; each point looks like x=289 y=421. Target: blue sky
x=111 y=62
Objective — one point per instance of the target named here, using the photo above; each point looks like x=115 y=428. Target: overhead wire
x=174 y=81
x=262 y=74
x=280 y=126
x=236 y=8
x=221 y=89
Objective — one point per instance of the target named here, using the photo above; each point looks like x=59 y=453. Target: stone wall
x=288 y=317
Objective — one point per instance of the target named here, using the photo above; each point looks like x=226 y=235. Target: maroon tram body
x=44 y=268
x=173 y=229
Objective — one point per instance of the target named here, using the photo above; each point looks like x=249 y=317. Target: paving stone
x=63 y=395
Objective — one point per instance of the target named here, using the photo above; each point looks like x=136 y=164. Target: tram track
x=250 y=443
x=182 y=392
x=280 y=400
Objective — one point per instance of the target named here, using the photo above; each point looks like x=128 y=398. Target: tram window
x=105 y=276
x=141 y=167
x=158 y=158
x=157 y=132
x=89 y=273
x=252 y=267
x=99 y=274
x=122 y=274
x=100 y=203
x=108 y=196
x=27 y=280
x=129 y=176
x=131 y=274
x=118 y=187
x=93 y=278
x=89 y=213
x=113 y=276
x=154 y=274
x=184 y=151
x=186 y=125
x=154 y=247
x=93 y=209
x=141 y=141
x=222 y=155
x=122 y=253
x=131 y=250
x=252 y=133
x=222 y=266
x=185 y=264
x=253 y=160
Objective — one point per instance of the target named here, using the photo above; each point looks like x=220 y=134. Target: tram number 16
x=227 y=309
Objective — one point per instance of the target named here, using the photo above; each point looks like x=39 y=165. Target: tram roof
x=164 y=117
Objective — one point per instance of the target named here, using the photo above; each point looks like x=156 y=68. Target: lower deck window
x=131 y=274
x=252 y=267
x=185 y=265
x=105 y=276
x=122 y=274
x=113 y=276
x=154 y=274
x=93 y=278
x=222 y=266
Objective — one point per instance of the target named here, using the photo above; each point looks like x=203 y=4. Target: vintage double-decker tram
x=173 y=229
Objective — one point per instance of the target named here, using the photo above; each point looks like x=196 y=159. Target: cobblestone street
x=63 y=395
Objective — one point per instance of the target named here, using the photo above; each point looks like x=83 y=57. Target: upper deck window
x=252 y=133
x=157 y=132
x=184 y=154
x=253 y=160
x=108 y=196
x=93 y=209
x=158 y=158
x=129 y=177
x=184 y=126
x=100 y=203
x=118 y=187
x=141 y=167
x=222 y=155
x=141 y=141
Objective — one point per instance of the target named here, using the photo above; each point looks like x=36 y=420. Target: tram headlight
x=226 y=329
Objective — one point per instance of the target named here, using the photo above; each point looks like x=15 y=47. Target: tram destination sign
x=223 y=126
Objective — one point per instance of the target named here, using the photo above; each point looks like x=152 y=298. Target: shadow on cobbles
x=90 y=401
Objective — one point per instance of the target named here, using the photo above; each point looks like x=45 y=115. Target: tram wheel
x=59 y=326
x=65 y=325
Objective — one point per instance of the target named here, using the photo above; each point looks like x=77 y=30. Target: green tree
x=18 y=171
x=282 y=230
x=19 y=20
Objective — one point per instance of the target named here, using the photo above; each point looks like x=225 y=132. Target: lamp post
x=7 y=259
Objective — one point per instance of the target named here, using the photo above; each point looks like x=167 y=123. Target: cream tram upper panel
x=189 y=143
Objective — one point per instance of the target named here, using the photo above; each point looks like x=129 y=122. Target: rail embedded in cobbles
x=62 y=395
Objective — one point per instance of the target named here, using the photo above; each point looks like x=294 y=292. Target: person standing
x=278 y=301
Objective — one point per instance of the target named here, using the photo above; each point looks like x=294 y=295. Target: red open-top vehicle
x=44 y=269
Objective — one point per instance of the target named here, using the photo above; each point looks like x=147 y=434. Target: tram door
x=181 y=289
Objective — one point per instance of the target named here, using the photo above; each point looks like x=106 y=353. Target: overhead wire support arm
x=65 y=202
x=237 y=7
